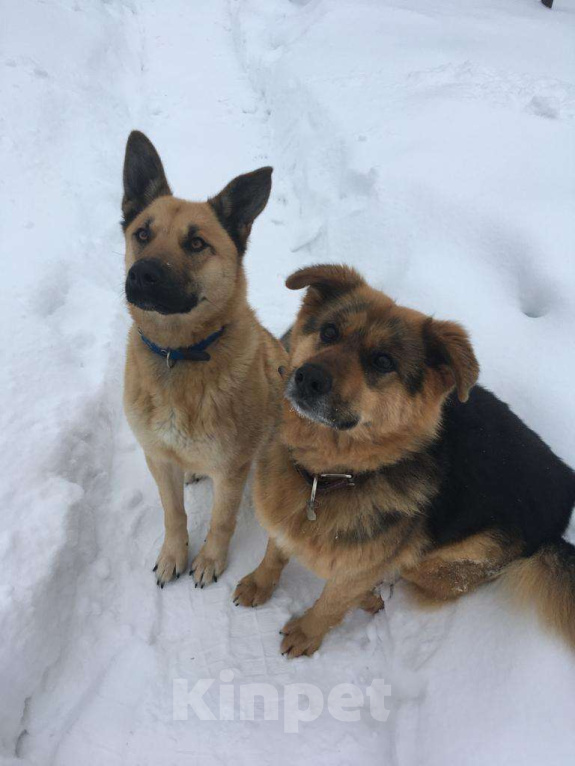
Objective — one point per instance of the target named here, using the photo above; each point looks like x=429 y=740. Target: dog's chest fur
x=186 y=425
x=189 y=414
x=208 y=417
x=178 y=429
x=362 y=527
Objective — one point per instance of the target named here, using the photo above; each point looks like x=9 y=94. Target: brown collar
x=325 y=482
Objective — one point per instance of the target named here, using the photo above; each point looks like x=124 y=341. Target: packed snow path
x=428 y=142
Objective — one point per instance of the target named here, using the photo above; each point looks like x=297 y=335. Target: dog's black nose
x=146 y=273
x=312 y=381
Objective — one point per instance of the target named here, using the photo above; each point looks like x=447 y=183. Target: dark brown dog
x=201 y=384
x=381 y=465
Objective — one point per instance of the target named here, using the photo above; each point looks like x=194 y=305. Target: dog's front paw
x=300 y=637
x=207 y=567
x=173 y=559
x=251 y=592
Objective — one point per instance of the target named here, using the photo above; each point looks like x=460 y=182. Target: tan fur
x=391 y=425
x=450 y=571
x=376 y=528
x=544 y=582
x=206 y=418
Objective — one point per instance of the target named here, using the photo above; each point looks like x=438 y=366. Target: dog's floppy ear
x=325 y=280
x=238 y=205
x=449 y=350
x=144 y=177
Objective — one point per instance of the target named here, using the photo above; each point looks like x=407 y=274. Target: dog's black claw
x=154 y=569
x=177 y=575
x=215 y=578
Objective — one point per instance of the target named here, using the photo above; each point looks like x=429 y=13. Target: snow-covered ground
x=428 y=142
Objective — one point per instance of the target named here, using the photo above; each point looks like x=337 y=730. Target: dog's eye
x=329 y=333
x=142 y=235
x=383 y=362
x=195 y=244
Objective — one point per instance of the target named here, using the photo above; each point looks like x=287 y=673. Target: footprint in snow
x=545 y=106
x=536 y=296
x=51 y=294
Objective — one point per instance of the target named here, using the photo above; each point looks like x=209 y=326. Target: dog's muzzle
x=152 y=286
x=310 y=391
x=312 y=382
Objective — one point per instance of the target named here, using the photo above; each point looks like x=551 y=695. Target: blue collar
x=196 y=353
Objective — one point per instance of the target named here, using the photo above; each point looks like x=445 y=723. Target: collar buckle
x=310 y=507
x=348 y=481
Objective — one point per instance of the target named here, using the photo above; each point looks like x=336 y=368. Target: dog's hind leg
x=173 y=558
x=453 y=570
x=213 y=556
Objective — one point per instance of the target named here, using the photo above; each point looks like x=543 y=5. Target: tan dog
x=201 y=383
x=380 y=466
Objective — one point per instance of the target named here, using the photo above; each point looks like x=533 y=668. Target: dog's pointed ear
x=326 y=281
x=144 y=177
x=238 y=205
x=449 y=350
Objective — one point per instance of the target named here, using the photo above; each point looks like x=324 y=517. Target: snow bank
x=428 y=143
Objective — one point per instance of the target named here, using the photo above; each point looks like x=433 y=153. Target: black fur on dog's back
x=500 y=480
x=498 y=474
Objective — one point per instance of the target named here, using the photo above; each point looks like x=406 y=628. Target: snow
x=429 y=143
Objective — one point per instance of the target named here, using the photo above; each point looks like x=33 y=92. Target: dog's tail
x=547 y=581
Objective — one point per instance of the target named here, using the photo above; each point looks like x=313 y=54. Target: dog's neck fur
x=184 y=330
x=321 y=449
